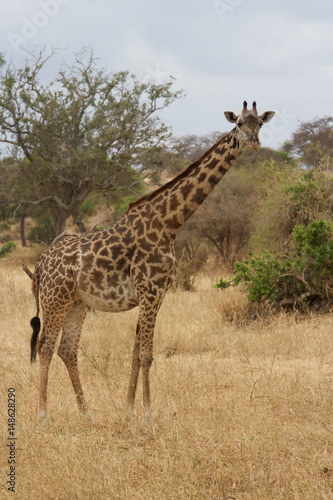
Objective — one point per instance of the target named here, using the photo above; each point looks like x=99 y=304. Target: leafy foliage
x=4 y=226
x=311 y=197
x=87 y=130
x=304 y=274
x=7 y=248
x=87 y=207
x=289 y=196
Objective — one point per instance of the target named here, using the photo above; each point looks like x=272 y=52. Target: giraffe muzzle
x=254 y=145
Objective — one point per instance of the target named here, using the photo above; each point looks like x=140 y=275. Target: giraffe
x=129 y=264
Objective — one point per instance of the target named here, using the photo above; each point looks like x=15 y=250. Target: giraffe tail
x=35 y=321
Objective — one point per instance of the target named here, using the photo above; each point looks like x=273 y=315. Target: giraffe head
x=249 y=123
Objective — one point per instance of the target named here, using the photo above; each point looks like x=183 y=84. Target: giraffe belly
x=108 y=298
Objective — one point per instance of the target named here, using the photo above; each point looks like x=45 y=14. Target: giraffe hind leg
x=45 y=348
x=68 y=351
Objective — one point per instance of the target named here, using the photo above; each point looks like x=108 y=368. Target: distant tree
x=188 y=148
x=224 y=220
x=255 y=159
x=87 y=130
x=194 y=146
x=312 y=141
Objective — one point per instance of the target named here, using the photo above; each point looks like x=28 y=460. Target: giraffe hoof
x=89 y=418
x=149 y=419
x=42 y=416
x=129 y=413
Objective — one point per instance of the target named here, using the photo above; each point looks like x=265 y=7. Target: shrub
x=87 y=207
x=270 y=222
x=7 y=248
x=303 y=275
x=4 y=226
x=191 y=256
x=310 y=198
x=290 y=197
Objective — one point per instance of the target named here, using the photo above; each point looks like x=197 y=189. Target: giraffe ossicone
x=129 y=264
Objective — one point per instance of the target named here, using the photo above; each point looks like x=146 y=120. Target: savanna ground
x=242 y=408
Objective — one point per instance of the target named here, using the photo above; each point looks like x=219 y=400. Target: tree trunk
x=22 y=229
x=78 y=220
x=60 y=225
x=59 y=218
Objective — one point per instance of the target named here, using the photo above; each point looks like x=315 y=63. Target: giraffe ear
x=267 y=116
x=230 y=116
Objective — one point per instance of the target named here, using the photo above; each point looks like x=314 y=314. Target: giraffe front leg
x=135 y=369
x=143 y=355
x=146 y=364
x=149 y=307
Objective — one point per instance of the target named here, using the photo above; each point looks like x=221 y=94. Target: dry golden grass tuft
x=241 y=411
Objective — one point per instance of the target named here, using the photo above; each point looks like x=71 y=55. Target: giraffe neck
x=178 y=199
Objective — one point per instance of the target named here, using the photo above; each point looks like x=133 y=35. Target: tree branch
x=55 y=199
x=27 y=270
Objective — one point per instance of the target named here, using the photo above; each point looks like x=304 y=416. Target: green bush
x=310 y=198
x=7 y=248
x=289 y=197
x=87 y=207
x=304 y=274
x=4 y=226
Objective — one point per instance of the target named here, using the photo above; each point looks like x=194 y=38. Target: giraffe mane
x=172 y=182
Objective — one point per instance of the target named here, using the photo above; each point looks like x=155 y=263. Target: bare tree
x=312 y=141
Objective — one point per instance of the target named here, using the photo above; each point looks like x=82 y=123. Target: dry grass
x=244 y=411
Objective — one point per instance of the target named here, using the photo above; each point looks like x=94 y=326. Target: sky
x=221 y=52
